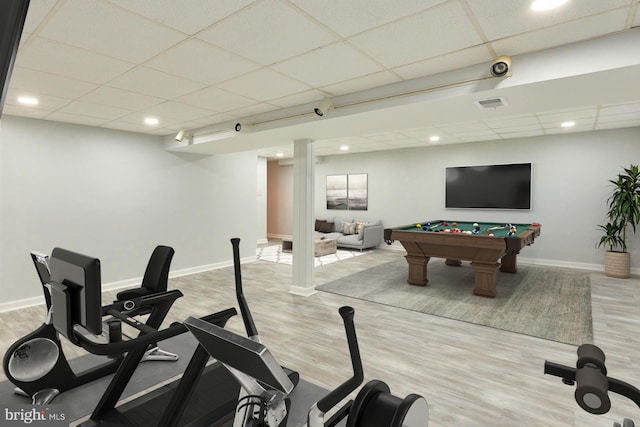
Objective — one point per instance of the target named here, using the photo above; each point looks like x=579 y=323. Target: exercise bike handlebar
x=249 y=324
x=335 y=396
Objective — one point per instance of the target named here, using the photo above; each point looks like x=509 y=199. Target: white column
x=303 y=217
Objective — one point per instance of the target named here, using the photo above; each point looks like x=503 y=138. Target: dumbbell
x=592 y=384
x=375 y=406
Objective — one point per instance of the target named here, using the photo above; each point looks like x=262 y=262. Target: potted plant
x=623 y=212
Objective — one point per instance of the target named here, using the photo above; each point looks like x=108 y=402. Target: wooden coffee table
x=322 y=246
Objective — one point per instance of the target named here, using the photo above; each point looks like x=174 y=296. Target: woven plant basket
x=617 y=264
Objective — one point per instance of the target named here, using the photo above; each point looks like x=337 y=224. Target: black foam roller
x=591 y=390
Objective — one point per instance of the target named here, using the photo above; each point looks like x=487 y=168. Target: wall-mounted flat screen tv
x=489 y=187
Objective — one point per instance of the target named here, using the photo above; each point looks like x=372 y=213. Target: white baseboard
x=121 y=284
x=303 y=292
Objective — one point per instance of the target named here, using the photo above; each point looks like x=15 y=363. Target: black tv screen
x=489 y=187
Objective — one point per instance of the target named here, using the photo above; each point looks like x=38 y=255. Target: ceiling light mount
x=180 y=135
x=323 y=106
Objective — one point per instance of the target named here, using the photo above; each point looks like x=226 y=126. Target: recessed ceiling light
x=345 y=148
x=151 y=121
x=27 y=100
x=542 y=5
x=280 y=154
x=434 y=138
x=567 y=124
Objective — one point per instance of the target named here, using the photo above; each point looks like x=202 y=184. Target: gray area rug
x=549 y=303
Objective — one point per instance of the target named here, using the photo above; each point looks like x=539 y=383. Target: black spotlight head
x=238 y=127
x=501 y=66
x=318 y=111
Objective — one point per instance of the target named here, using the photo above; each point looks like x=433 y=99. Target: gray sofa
x=369 y=234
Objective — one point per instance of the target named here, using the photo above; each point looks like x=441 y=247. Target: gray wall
x=115 y=195
x=570 y=187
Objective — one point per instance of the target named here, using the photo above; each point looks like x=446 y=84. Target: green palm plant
x=623 y=209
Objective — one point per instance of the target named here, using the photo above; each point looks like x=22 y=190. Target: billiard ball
x=445 y=224
x=476 y=225
x=476 y=230
x=418 y=225
x=490 y=234
x=446 y=230
x=454 y=223
x=424 y=228
x=428 y=224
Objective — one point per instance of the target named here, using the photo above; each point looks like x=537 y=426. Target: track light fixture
x=180 y=136
x=323 y=106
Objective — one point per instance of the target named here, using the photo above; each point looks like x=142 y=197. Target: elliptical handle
x=335 y=396
x=249 y=324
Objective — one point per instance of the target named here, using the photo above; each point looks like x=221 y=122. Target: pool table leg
x=417 y=270
x=508 y=263
x=485 y=283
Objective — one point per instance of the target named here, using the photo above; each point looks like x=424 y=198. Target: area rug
x=274 y=253
x=549 y=303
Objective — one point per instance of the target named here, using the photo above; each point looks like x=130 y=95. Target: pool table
x=489 y=247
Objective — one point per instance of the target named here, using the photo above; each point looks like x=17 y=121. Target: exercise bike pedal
x=44 y=397
x=158 y=354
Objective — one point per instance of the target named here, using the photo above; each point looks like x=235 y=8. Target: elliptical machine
x=592 y=383
x=264 y=399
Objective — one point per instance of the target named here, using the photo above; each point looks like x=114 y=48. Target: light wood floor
x=471 y=375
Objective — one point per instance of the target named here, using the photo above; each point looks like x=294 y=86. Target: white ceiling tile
x=521 y=133
x=618 y=125
x=607 y=110
x=271 y=31
x=556 y=35
x=23 y=111
x=567 y=115
x=306 y=97
x=477 y=134
x=189 y=18
x=129 y=127
x=47 y=102
x=137 y=118
x=253 y=110
x=450 y=61
x=55 y=58
x=101 y=27
x=520 y=128
x=75 y=118
x=264 y=85
x=37 y=82
x=117 y=97
x=328 y=65
x=456 y=128
x=216 y=100
x=178 y=110
x=354 y=16
x=94 y=110
x=155 y=83
x=620 y=117
x=362 y=83
x=37 y=11
x=411 y=39
x=512 y=121
x=202 y=62
x=508 y=17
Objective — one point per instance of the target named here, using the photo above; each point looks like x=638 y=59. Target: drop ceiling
x=199 y=64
